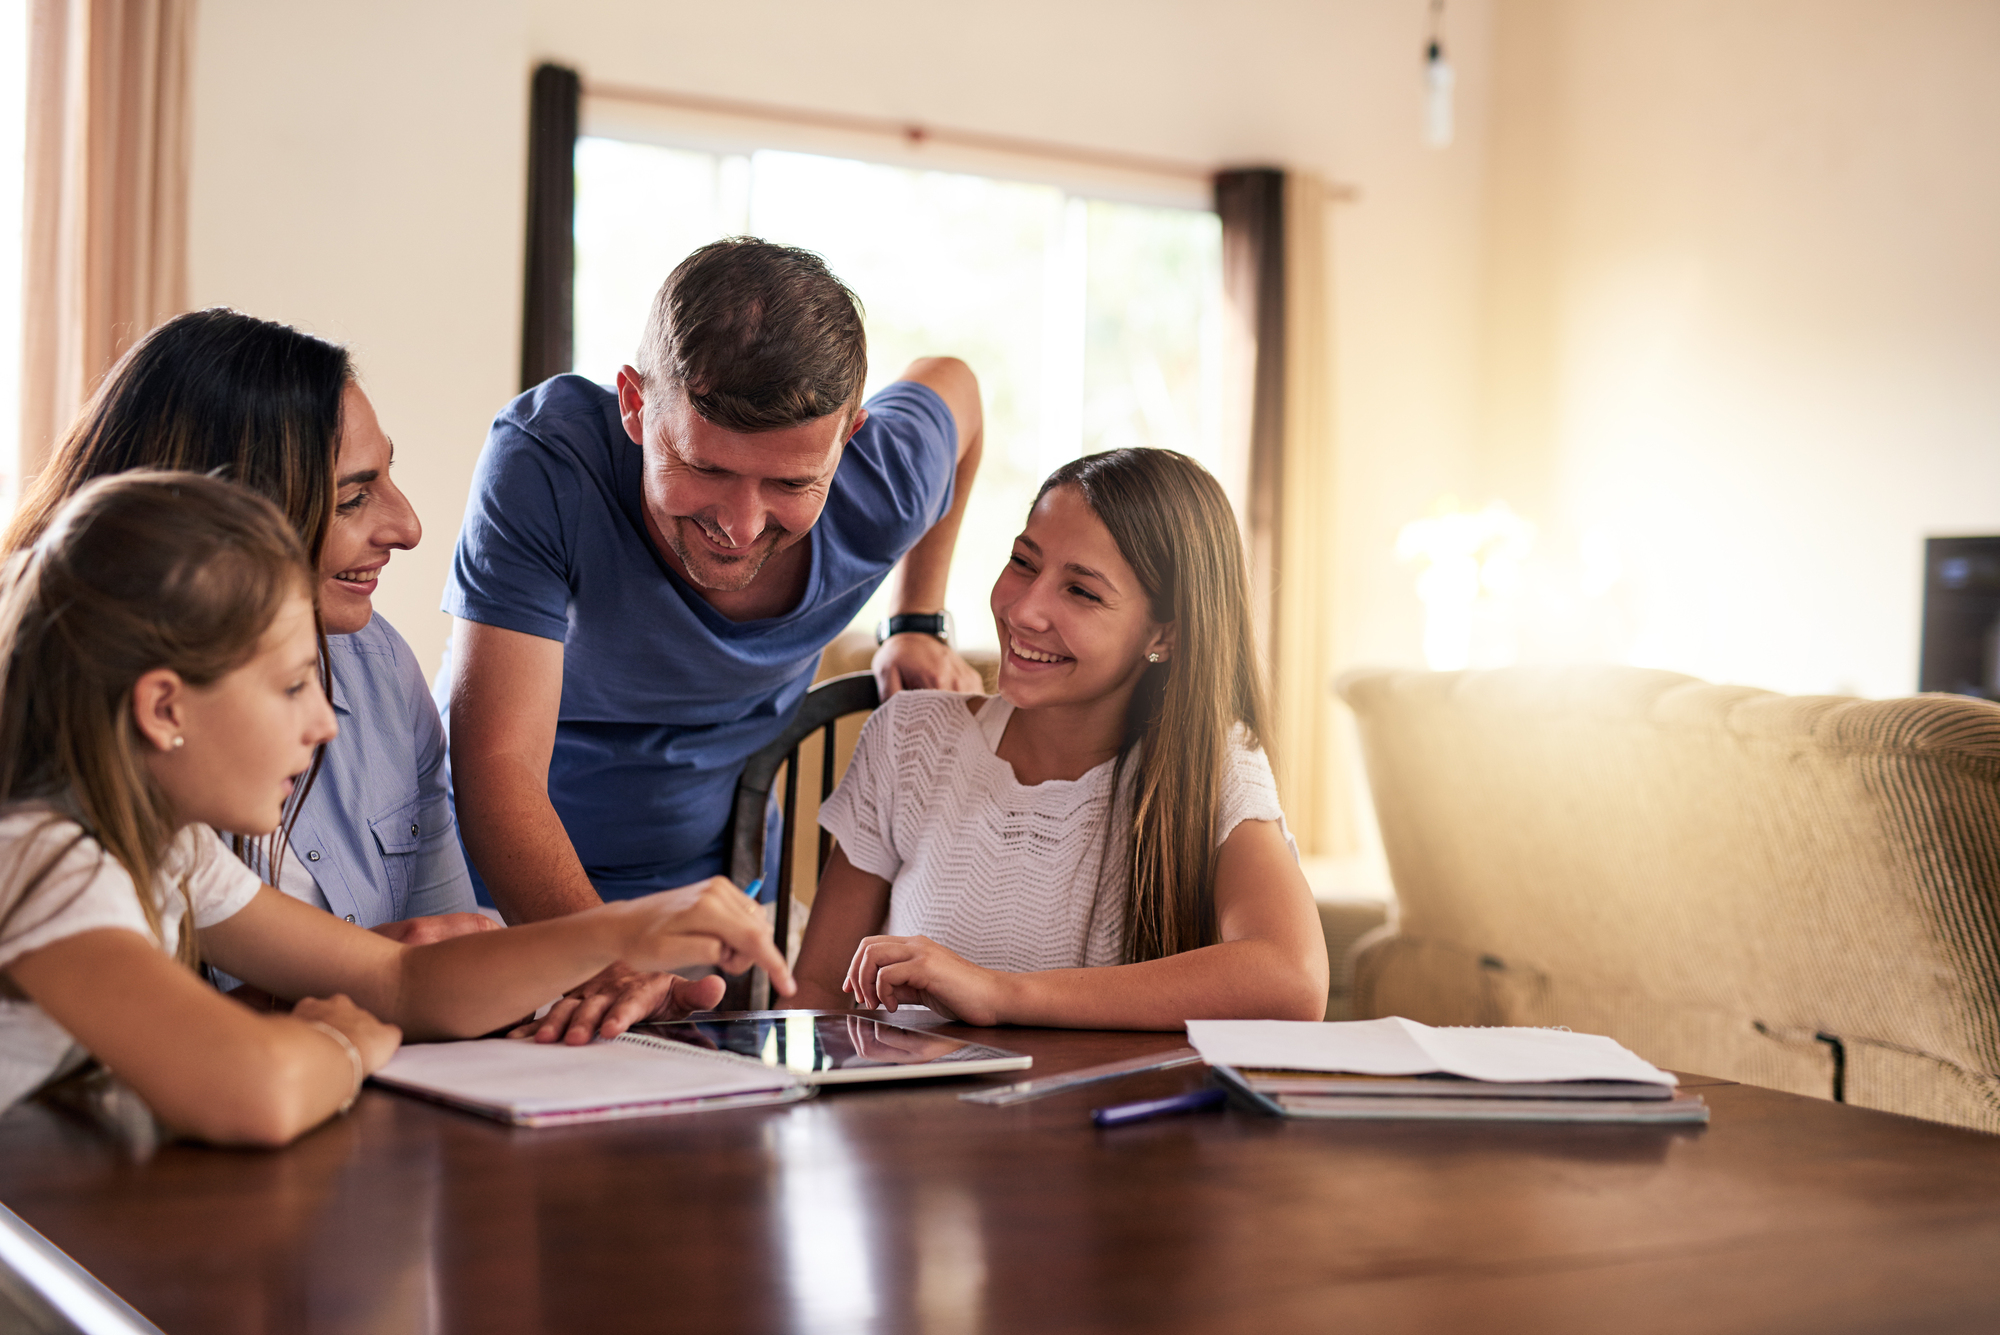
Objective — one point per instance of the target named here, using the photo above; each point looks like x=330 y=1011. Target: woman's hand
x=892 y=971
x=712 y=922
x=375 y=1041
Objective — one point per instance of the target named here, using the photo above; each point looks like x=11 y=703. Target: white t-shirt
x=84 y=891
x=1007 y=875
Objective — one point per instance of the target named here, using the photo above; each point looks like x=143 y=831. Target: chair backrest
x=1786 y=890
x=821 y=711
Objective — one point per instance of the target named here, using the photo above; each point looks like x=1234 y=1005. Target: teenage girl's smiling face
x=371 y=518
x=1075 y=623
x=245 y=738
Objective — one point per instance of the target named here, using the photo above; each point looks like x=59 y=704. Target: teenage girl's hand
x=712 y=922
x=892 y=971
x=375 y=1041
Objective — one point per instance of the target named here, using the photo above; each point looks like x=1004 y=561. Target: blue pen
x=754 y=886
x=1122 y=1114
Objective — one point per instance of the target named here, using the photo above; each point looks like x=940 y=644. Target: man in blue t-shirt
x=645 y=580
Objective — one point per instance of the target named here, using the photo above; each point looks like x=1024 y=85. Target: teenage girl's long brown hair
x=220 y=392
x=139 y=571
x=1175 y=528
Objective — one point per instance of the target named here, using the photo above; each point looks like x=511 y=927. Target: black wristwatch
x=915 y=623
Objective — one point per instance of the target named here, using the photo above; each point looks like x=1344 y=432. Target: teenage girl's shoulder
x=914 y=718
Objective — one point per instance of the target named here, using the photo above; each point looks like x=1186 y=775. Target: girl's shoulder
x=930 y=712
x=52 y=870
x=1245 y=762
x=29 y=830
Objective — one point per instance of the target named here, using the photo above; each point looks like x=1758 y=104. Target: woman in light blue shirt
x=370 y=835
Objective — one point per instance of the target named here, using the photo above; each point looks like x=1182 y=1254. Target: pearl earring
x=179 y=742
x=1152 y=658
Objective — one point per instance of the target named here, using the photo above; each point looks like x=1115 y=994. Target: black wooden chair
x=821 y=711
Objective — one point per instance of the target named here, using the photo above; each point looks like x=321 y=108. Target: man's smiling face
x=723 y=502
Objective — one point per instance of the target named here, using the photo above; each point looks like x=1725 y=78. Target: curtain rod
x=911 y=133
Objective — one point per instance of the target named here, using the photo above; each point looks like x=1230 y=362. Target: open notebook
x=552 y=1084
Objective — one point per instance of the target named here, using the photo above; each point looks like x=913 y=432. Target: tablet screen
x=830 y=1049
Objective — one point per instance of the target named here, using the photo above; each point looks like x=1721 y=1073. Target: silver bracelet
x=353 y=1056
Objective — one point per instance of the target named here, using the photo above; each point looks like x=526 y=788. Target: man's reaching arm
x=918 y=582
x=506 y=690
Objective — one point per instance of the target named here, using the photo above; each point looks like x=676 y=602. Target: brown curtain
x=1251 y=204
x=548 y=312
x=1275 y=287
x=104 y=254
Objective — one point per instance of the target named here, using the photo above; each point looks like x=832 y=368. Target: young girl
x=1100 y=845
x=158 y=680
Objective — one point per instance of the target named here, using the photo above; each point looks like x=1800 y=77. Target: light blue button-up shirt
x=376 y=832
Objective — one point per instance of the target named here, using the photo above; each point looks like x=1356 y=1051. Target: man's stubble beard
x=703 y=568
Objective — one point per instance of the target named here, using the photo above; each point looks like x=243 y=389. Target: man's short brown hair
x=759 y=336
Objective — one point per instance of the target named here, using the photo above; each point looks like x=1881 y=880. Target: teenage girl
x=159 y=680
x=1099 y=845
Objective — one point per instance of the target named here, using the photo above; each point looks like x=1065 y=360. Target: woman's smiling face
x=371 y=518
x=1075 y=624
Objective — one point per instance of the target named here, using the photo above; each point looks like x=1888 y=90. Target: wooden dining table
x=900 y=1207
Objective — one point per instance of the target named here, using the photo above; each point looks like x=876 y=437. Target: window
x=1093 y=323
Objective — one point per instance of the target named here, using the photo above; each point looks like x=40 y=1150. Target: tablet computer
x=824 y=1048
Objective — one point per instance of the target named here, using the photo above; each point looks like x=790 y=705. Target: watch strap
x=917 y=623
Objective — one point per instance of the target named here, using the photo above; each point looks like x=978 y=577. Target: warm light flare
x=1467 y=556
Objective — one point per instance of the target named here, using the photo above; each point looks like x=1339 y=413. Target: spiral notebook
x=552 y=1084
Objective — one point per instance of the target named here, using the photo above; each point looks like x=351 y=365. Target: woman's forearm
x=1236 y=980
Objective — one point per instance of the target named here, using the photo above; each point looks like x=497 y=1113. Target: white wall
x=1744 y=316
x=359 y=170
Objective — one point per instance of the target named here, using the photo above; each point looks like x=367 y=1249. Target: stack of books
x=1396 y=1068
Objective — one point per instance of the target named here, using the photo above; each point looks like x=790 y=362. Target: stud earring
x=1152 y=658
x=179 y=742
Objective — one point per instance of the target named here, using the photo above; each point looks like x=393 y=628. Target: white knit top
x=1008 y=875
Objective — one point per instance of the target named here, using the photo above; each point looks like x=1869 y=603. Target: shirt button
x=413 y=828
x=350 y=917
x=313 y=856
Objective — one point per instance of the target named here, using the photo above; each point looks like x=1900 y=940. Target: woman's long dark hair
x=226 y=394
x=1175 y=528
x=212 y=391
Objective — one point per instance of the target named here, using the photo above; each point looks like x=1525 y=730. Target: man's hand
x=617 y=999
x=437 y=927
x=916 y=661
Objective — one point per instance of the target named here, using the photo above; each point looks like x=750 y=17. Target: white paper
x=1396 y=1046
x=530 y=1078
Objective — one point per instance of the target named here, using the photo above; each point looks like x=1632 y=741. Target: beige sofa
x=1799 y=892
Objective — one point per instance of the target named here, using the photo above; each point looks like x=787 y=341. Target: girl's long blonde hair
x=1175 y=528
x=135 y=572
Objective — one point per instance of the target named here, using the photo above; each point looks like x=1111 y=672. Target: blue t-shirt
x=663 y=697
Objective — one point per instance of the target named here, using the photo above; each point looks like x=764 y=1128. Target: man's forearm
x=923 y=573
x=518 y=844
